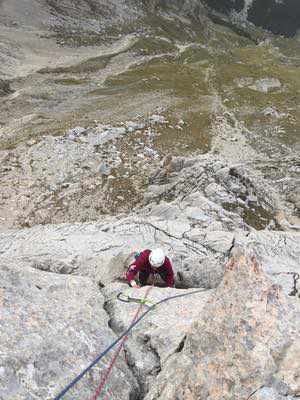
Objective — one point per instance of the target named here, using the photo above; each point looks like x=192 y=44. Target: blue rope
x=101 y=355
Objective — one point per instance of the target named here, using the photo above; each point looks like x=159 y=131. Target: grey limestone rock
x=235 y=347
x=101 y=250
x=161 y=333
x=266 y=85
x=278 y=254
x=51 y=328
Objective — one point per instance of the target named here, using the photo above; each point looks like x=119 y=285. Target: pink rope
x=105 y=377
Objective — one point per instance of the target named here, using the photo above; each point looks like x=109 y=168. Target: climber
x=150 y=262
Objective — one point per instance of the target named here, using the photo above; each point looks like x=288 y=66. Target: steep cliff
x=279 y=17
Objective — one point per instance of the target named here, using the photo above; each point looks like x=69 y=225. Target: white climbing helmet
x=157 y=258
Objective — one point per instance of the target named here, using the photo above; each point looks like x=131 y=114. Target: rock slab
x=235 y=348
x=51 y=328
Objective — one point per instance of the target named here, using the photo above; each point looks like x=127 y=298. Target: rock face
x=235 y=349
x=280 y=17
x=161 y=334
x=136 y=124
x=277 y=255
x=51 y=328
x=100 y=251
x=234 y=188
x=198 y=249
x=40 y=268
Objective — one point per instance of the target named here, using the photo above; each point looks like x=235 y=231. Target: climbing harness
x=119 y=339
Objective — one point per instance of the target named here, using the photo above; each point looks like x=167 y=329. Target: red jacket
x=142 y=264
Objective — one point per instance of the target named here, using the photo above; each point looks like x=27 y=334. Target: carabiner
x=127 y=299
x=123 y=297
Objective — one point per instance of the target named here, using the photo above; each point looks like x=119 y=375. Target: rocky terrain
x=241 y=351
x=127 y=125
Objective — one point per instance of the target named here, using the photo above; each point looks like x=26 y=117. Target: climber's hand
x=134 y=284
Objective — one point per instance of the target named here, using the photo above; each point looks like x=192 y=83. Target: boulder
x=266 y=85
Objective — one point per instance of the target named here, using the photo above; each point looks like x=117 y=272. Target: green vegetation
x=163 y=75
x=195 y=54
x=152 y=46
x=91 y=65
x=199 y=66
